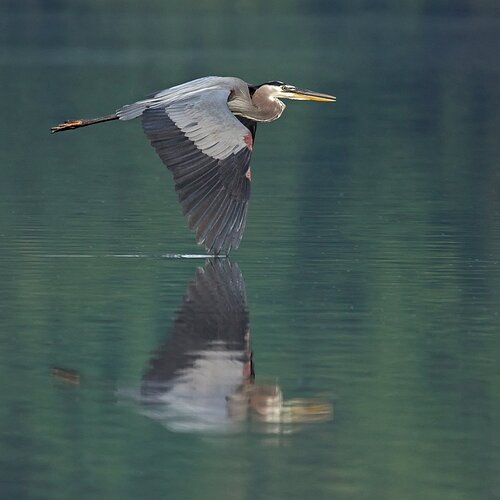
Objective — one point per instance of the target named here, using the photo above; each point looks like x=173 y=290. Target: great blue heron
x=204 y=131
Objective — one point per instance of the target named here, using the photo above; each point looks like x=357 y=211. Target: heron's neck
x=264 y=108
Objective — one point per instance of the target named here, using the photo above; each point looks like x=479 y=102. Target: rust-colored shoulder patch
x=248 y=141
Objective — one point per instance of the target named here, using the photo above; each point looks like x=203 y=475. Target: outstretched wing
x=208 y=152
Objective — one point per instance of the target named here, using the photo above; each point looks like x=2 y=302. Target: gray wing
x=208 y=151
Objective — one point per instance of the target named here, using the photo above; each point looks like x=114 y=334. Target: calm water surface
x=368 y=281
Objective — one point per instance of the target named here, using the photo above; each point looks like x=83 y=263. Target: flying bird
x=204 y=131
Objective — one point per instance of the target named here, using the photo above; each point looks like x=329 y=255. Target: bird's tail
x=71 y=124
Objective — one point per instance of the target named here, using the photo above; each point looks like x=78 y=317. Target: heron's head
x=280 y=90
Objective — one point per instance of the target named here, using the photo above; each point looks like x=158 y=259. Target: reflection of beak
x=309 y=95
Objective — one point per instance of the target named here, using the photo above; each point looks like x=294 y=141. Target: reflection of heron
x=202 y=377
x=206 y=357
x=204 y=131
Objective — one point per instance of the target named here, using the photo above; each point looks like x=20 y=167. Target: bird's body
x=203 y=131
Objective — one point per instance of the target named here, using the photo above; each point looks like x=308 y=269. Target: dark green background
x=371 y=256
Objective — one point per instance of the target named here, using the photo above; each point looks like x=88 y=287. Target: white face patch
x=272 y=91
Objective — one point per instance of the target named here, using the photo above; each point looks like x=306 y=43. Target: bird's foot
x=67 y=125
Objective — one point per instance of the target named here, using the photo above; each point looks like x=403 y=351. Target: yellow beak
x=309 y=95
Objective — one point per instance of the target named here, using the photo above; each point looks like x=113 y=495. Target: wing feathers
x=209 y=167
x=210 y=220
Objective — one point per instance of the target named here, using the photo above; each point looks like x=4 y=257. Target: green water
x=371 y=258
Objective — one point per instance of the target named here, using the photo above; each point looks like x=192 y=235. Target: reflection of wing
x=208 y=150
x=211 y=325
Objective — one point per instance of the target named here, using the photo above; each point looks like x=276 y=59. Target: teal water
x=370 y=263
